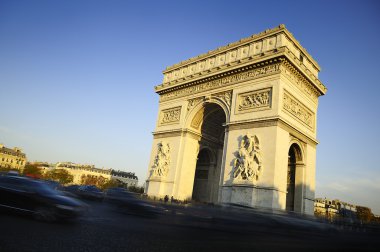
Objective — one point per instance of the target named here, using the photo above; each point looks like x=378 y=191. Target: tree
x=32 y=170
x=89 y=179
x=364 y=214
x=111 y=183
x=60 y=175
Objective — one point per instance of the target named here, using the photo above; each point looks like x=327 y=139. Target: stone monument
x=238 y=125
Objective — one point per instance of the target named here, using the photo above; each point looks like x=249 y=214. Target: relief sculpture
x=162 y=160
x=254 y=100
x=298 y=110
x=171 y=115
x=248 y=161
x=225 y=97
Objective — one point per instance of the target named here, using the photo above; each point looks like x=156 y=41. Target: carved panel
x=171 y=115
x=193 y=102
x=254 y=100
x=248 y=162
x=224 y=81
x=161 y=162
x=298 y=110
x=225 y=97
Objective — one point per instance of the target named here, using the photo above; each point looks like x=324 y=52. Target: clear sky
x=77 y=77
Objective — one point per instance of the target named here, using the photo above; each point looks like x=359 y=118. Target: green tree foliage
x=98 y=181
x=60 y=175
x=111 y=183
x=32 y=170
x=89 y=179
x=364 y=214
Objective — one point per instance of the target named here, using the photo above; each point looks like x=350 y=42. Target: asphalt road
x=105 y=228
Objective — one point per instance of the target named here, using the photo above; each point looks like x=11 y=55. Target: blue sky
x=77 y=77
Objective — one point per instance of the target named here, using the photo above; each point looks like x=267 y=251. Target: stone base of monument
x=250 y=195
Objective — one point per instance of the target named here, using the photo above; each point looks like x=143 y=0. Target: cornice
x=219 y=71
x=301 y=71
x=275 y=63
x=234 y=45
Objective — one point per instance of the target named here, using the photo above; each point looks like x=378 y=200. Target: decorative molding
x=254 y=100
x=236 y=53
x=268 y=122
x=169 y=116
x=161 y=162
x=193 y=102
x=167 y=133
x=298 y=110
x=235 y=77
x=226 y=97
x=248 y=162
x=296 y=78
x=233 y=45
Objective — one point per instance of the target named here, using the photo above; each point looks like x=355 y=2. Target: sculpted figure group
x=162 y=160
x=248 y=161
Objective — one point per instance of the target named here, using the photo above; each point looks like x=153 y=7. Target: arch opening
x=209 y=160
x=294 y=182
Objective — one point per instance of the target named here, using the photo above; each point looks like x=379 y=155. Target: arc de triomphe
x=238 y=125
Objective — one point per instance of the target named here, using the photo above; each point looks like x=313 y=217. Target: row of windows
x=12 y=153
x=11 y=161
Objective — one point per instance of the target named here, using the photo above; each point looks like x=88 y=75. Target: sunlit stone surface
x=238 y=125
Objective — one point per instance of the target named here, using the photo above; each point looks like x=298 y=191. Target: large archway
x=294 y=178
x=224 y=118
x=209 y=160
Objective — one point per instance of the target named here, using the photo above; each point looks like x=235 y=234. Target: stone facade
x=333 y=208
x=238 y=125
x=12 y=158
x=78 y=170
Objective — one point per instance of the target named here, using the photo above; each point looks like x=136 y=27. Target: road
x=105 y=228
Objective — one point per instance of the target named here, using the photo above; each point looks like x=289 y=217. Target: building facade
x=238 y=125
x=334 y=208
x=80 y=171
x=12 y=158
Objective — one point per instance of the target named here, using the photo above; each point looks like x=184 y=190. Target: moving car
x=34 y=197
x=90 y=192
x=128 y=202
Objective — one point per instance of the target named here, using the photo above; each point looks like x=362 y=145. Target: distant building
x=128 y=178
x=80 y=170
x=12 y=158
x=332 y=209
x=43 y=166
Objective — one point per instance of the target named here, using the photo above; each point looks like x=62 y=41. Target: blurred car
x=25 y=195
x=90 y=192
x=71 y=188
x=128 y=202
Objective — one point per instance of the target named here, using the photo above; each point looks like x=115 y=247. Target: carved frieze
x=299 y=81
x=223 y=81
x=226 y=97
x=171 y=115
x=161 y=162
x=248 y=162
x=258 y=99
x=298 y=110
x=193 y=102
